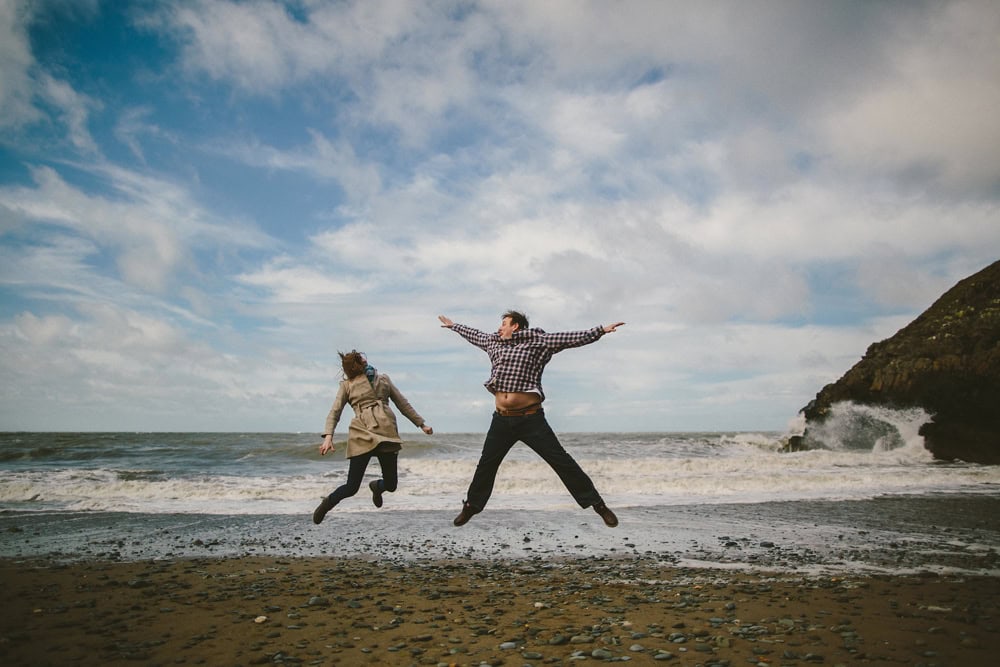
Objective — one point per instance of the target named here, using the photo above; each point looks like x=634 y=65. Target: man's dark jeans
x=534 y=431
x=356 y=472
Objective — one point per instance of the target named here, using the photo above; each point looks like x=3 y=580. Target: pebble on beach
x=355 y=611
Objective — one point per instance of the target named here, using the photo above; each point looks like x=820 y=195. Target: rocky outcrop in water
x=947 y=362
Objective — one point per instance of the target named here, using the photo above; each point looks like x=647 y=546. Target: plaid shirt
x=519 y=361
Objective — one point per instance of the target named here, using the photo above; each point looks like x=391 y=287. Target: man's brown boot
x=610 y=520
x=467 y=513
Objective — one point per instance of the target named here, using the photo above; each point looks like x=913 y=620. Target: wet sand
x=894 y=535
x=358 y=611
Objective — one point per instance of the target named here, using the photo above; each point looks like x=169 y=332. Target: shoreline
x=893 y=535
x=349 y=611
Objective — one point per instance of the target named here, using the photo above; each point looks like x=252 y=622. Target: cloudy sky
x=202 y=201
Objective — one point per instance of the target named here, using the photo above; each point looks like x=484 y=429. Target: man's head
x=512 y=321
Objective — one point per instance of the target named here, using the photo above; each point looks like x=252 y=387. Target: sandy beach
x=896 y=579
x=326 y=611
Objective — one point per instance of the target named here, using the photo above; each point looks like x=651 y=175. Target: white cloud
x=74 y=109
x=132 y=127
x=323 y=160
x=814 y=221
x=691 y=169
x=288 y=283
x=143 y=371
x=61 y=263
x=41 y=330
x=150 y=225
x=16 y=61
x=932 y=118
x=25 y=89
x=148 y=250
x=261 y=46
x=256 y=45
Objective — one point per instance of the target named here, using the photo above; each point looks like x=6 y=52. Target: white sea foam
x=871 y=428
x=866 y=452
x=754 y=474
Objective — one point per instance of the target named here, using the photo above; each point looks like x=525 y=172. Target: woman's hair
x=353 y=363
x=520 y=319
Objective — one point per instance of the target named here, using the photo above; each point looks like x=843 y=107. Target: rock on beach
x=946 y=362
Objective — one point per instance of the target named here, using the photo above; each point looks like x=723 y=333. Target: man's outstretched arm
x=564 y=340
x=474 y=336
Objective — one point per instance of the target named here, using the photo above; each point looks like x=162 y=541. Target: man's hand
x=427 y=429
x=610 y=328
x=445 y=322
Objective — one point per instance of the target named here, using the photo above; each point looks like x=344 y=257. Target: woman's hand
x=327 y=445
x=427 y=429
x=610 y=328
x=446 y=322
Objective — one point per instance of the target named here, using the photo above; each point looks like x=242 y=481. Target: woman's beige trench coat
x=373 y=422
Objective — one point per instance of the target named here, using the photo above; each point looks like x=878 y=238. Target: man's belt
x=519 y=412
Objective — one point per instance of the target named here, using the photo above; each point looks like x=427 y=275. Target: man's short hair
x=518 y=318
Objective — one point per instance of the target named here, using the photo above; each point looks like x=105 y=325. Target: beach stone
x=580 y=639
x=602 y=654
x=637 y=648
x=507 y=646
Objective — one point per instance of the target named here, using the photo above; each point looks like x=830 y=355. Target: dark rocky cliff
x=947 y=361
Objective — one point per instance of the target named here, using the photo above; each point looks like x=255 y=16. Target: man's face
x=507 y=328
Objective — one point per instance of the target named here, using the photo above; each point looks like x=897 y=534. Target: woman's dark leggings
x=356 y=473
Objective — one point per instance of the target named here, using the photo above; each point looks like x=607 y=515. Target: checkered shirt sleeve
x=518 y=363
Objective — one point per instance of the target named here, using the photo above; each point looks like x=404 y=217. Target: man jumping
x=518 y=356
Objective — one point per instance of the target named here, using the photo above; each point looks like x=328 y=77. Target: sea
x=867 y=497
